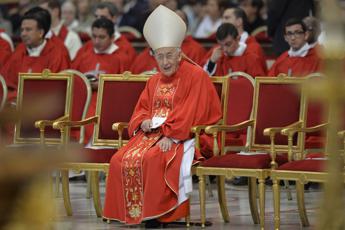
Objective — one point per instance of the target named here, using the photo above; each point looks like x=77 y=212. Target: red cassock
x=52 y=57
x=144 y=62
x=90 y=63
x=193 y=49
x=248 y=62
x=296 y=66
x=5 y=51
x=254 y=47
x=143 y=181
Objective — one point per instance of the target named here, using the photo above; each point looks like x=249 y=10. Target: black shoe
x=154 y=223
x=78 y=178
x=239 y=181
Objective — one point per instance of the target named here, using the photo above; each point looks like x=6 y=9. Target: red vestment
x=5 y=51
x=143 y=181
x=91 y=63
x=296 y=66
x=254 y=47
x=248 y=62
x=144 y=62
x=52 y=57
x=193 y=49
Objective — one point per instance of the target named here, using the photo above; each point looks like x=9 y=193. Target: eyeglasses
x=294 y=34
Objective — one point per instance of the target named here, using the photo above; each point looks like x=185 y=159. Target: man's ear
x=307 y=34
x=41 y=31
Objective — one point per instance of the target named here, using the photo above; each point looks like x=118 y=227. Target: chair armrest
x=119 y=127
x=341 y=134
x=42 y=124
x=62 y=124
x=196 y=130
x=215 y=129
x=292 y=130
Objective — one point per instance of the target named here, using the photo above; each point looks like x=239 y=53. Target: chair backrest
x=277 y=102
x=117 y=97
x=82 y=93
x=42 y=96
x=3 y=92
x=221 y=86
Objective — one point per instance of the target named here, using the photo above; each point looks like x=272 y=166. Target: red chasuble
x=248 y=62
x=51 y=57
x=126 y=47
x=254 y=47
x=143 y=181
x=92 y=64
x=5 y=52
x=296 y=66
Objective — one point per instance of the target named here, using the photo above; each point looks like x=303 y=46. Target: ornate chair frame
x=253 y=174
x=97 y=141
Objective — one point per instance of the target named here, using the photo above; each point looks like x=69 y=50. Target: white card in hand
x=157 y=121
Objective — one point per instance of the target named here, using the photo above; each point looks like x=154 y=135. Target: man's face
x=101 y=39
x=104 y=13
x=229 y=45
x=68 y=13
x=168 y=59
x=30 y=34
x=295 y=36
x=229 y=17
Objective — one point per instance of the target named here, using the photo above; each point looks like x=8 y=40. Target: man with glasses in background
x=301 y=59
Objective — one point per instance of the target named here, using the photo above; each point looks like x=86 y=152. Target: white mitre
x=164 y=28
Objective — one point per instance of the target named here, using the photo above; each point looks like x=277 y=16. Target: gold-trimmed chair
x=3 y=92
x=113 y=88
x=46 y=97
x=277 y=103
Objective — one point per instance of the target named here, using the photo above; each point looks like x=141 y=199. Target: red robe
x=5 y=52
x=144 y=62
x=52 y=57
x=143 y=182
x=299 y=66
x=86 y=62
x=193 y=49
x=249 y=63
x=254 y=47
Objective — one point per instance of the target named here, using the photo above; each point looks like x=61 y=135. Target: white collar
x=111 y=49
x=302 y=52
x=117 y=35
x=244 y=36
x=240 y=50
x=56 y=29
x=36 y=51
x=313 y=44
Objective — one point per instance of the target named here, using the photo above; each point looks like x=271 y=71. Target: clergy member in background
x=301 y=59
x=109 y=10
x=145 y=62
x=150 y=178
x=232 y=55
x=238 y=18
x=6 y=47
x=70 y=38
x=102 y=57
x=35 y=53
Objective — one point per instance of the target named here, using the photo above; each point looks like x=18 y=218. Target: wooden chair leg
x=288 y=190
x=65 y=192
x=95 y=192
x=276 y=200
x=252 y=199
x=202 y=200
x=262 y=194
x=301 y=204
x=222 y=198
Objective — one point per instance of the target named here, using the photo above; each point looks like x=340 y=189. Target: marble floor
x=84 y=217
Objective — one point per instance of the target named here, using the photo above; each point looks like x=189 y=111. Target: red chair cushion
x=304 y=165
x=310 y=156
x=239 y=161
x=232 y=139
x=315 y=142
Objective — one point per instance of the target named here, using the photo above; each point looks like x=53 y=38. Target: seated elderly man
x=149 y=178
